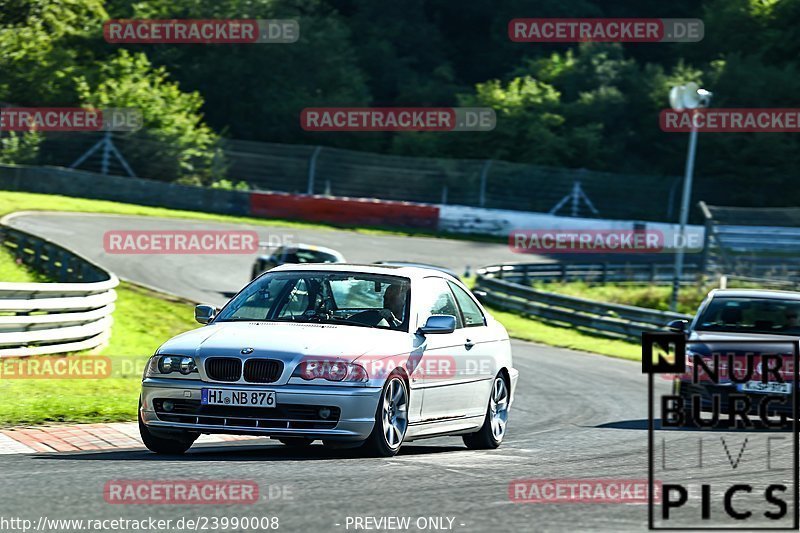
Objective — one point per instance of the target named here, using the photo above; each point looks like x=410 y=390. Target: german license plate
x=770 y=387
x=238 y=398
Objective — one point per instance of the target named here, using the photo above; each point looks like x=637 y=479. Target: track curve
x=576 y=416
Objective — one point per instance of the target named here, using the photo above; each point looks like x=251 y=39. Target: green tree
x=175 y=143
x=257 y=91
x=19 y=148
x=52 y=53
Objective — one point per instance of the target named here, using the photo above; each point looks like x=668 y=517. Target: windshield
x=751 y=315
x=301 y=255
x=344 y=298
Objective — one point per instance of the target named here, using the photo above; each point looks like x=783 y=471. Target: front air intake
x=262 y=370
x=224 y=368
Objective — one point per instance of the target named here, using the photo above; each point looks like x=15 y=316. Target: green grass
x=24 y=201
x=639 y=295
x=142 y=321
x=527 y=329
x=14 y=271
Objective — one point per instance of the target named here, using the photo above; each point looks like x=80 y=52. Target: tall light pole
x=689 y=96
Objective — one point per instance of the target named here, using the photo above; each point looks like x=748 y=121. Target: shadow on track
x=241 y=452
x=641 y=424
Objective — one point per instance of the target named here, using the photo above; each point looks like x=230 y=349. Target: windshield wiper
x=346 y=322
x=255 y=320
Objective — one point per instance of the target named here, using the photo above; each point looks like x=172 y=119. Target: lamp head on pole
x=689 y=96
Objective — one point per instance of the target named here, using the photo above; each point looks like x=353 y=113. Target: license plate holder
x=239 y=398
x=770 y=387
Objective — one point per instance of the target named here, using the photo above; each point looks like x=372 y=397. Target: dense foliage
x=582 y=106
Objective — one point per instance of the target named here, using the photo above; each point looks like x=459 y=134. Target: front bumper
x=297 y=414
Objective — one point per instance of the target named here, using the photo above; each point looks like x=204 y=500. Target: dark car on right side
x=733 y=323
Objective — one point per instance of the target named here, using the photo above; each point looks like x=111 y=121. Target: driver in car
x=394 y=301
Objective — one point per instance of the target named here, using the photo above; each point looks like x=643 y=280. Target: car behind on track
x=295 y=254
x=725 y=318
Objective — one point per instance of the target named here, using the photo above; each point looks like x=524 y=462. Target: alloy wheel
x=395 y=413
x=498 y=408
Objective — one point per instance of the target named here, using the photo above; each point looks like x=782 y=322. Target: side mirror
x=678 y=325
x=204 y=313
x=439 y=324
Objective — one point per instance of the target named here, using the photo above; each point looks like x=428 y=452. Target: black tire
x=376 y=444
x=164 y=446
x=296 y=442
x=485 y=438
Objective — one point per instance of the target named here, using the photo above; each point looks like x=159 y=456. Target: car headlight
x=331 y=370
x=160 y=365
x=690 y=357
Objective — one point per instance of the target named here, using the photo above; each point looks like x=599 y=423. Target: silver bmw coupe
x=353 y=355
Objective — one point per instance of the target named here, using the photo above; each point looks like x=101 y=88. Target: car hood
x=286 y=340
x=757 y=342
x=700 y=336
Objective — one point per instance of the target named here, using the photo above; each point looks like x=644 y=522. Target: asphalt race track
x=214 y=278
x=576 y=416
x=553 y=433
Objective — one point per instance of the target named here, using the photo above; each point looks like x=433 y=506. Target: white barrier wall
x=500 y=222
x=53 y=318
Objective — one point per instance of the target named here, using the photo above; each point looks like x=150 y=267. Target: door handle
x=469 y=344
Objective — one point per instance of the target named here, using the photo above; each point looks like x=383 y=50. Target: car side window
x=472 y=313
x=437 y=299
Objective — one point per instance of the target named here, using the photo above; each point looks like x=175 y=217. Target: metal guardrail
x=72 y=314
x=752 y=242
x=506 y=287
x=593 y=272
